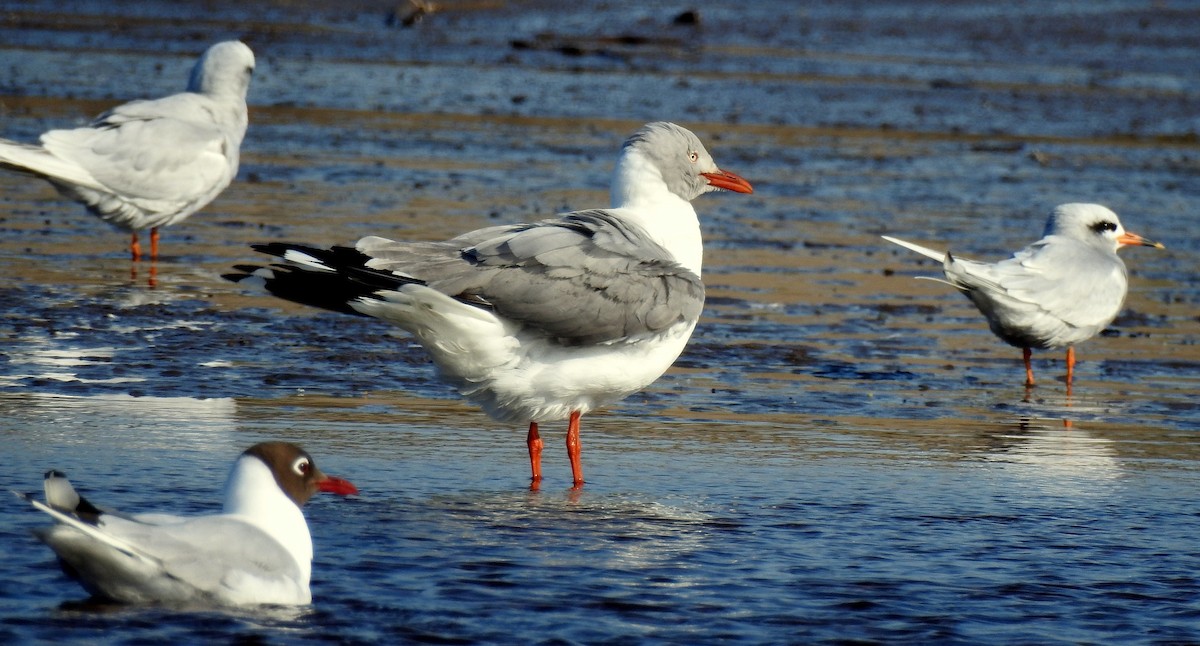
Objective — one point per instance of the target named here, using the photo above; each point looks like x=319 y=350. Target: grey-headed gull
x=256 y=551
x=544 y=321
x=1058 y=291
x=149 y=164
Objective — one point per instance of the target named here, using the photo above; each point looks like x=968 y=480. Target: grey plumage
x=546 y=320
x=582 y=279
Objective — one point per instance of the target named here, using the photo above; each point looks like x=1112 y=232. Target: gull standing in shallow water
x=1061 y=290
x=544 y=321
x=150 y=164
x=257 y=551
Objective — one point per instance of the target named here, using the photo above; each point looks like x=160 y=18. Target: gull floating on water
x=1061 y=290
x=256 y=551
x=544 y=321
x=150 y=164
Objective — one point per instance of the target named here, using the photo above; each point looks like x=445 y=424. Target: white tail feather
x=939 y=256
x=94 y=532
x=42 y=162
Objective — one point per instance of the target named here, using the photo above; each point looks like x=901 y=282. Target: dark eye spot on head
x=1104 y=225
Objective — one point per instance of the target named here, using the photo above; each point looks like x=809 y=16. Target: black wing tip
x=87 y=511
x=242 y=272
x=343 y=278
x=279 y=248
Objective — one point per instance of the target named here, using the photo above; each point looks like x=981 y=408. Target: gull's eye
x=694 y=156
x=302 y=466
x=1103 y=226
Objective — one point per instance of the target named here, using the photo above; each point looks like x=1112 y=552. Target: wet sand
x=820 y=361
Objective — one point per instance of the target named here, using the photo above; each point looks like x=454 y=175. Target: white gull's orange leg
x=573 y=449
x=534 y=441
x=1070 y=364
x=1027 y=353
x=153 y=243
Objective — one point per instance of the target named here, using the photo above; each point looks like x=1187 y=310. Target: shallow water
x=841 y=453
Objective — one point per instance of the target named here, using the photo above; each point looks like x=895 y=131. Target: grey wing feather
x=120 y=149
x=584 y=278
x=186 y=552
x=94 y=532
x=1063 y=279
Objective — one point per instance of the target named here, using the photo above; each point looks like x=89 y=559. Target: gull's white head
x=1094 y=225
x=224 y=69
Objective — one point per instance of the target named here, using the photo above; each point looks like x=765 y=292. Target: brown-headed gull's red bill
x=542 y=321
x=256 y=551
x=339 y=486
x=150 y=164
x=1061 y=290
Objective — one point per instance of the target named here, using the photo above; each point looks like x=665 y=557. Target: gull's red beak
x=332 y=484
x=728 y=181
x=1128 y=239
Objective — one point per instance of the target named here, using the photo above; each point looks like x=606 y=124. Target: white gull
x=151 y=163
x=257 y=551
x=1059 y=291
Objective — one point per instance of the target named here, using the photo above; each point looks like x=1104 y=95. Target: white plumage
x=149 y=164
x=257 y=551
x=1059 y=291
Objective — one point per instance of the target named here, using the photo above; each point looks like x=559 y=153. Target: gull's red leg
x=534 y=440
x=1027 y=353
x=135 y=249
x=573 y=448
x=153 y=243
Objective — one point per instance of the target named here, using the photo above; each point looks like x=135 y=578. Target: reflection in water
x=122 y=422
x=46 y=358
x=214 y=412
x=1061 y=459
x=636 y=532
x=264 y=616
x=151 y=278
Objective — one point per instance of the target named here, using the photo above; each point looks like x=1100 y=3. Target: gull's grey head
x=225 y=69
x=1094 y=225
x=686 y=167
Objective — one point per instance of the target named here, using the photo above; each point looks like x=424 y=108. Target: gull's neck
x=253 y=494
x=640 y=196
